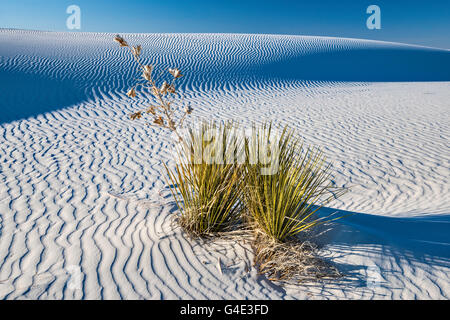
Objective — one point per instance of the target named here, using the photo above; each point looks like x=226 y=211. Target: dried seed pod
x=155 y=91
x=171 y=89
x=131 y=93
x=147 y=73
x=151 y=110
x=159 y=121
x=147 y=76
x=165 y=86
x=148 y=68
x=121 y=41
x=175 y=73
x=137 y=51
x=136 y=115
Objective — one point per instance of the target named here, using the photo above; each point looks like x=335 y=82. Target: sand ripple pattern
x=85 y=214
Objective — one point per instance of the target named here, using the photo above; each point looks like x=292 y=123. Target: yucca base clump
x=207 y=188
x=274 y=191
x=285 y=201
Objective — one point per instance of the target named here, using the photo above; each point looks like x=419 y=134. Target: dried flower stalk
x=162 y=112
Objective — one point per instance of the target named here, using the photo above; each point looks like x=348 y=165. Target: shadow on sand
x=361 y=65
x=25 y=95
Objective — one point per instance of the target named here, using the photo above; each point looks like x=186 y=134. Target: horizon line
x=233 y=33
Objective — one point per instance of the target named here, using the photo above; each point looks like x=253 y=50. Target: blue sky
x=419 y=22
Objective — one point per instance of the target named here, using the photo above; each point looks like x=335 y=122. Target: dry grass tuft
x=290 y=262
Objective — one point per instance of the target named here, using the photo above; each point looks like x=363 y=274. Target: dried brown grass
x=290 y=262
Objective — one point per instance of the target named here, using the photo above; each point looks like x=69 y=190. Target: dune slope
x=84 y=208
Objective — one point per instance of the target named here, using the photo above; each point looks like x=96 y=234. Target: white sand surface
x=84 y=207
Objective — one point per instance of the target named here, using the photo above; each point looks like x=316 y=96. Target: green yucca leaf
x=208 y=194
x=285 y=203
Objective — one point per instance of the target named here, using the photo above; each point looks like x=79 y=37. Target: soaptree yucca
x=207 y=183
x=285 y=201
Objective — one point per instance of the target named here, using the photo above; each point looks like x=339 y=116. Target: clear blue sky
x=419 y=22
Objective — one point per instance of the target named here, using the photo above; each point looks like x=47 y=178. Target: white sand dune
x=82 y=187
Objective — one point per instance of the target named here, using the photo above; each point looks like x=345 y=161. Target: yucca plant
x=284 y=201
x=286 y=185
x=207 y=183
